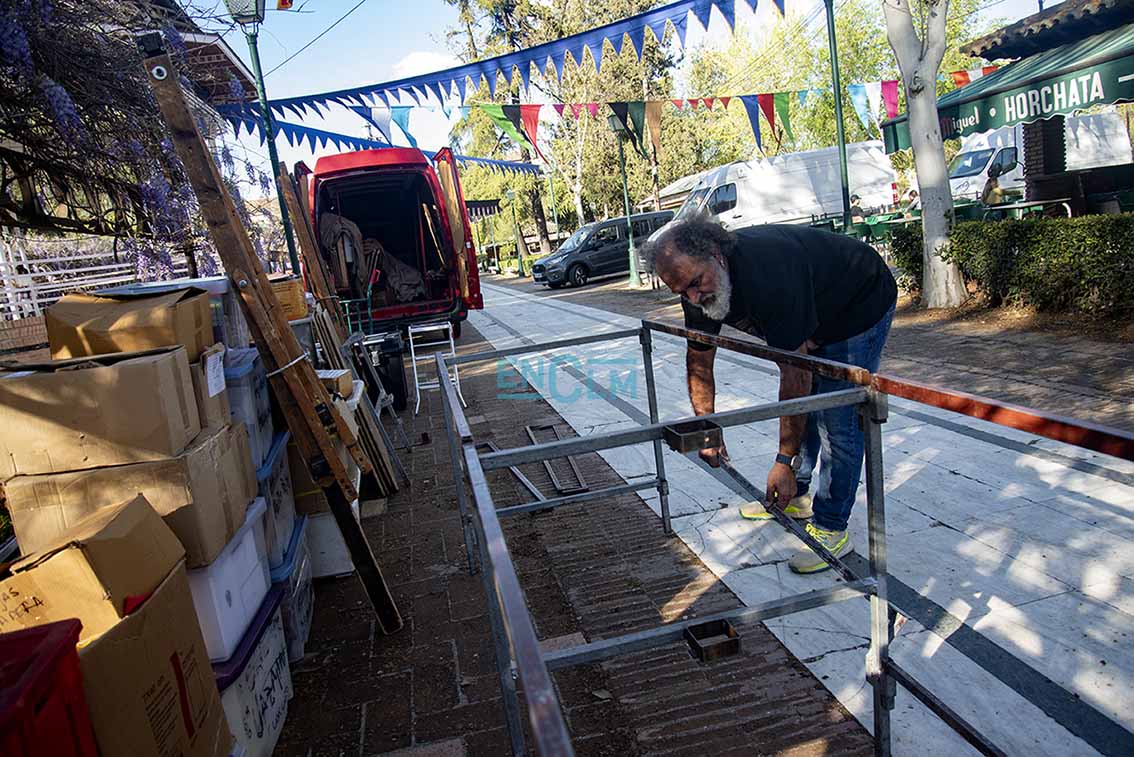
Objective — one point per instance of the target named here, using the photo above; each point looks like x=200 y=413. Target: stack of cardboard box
x=102 y=443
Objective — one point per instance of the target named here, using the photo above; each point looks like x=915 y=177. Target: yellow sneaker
x=837 y=543
x=798 y=508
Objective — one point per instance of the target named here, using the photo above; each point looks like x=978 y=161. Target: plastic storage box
x=304 y=329
x=273 y=482
x=42 y=706
x=298 y=601
x=247 y=384
x=329 y=554
x=255 y=683
x=227 y=593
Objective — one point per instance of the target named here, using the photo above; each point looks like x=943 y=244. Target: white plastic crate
x=247 y=382
x=227 y=593
x=255 y=685
x=329 y=554
x=273 y=483
x=298 y=603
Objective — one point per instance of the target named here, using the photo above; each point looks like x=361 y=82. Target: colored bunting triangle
x=783 y=101
x=752 y=108
x=890 y=97
x=768 y=106
x=529 y=117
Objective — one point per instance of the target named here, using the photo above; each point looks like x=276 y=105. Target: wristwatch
x=792 y=461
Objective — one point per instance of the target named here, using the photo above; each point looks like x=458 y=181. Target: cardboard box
x=209 y=388
x=337 y=380
x=148 y=681
x=201 y=494
x=96 y=571
x=83 y=324
x=88 y=412
x=289 y=291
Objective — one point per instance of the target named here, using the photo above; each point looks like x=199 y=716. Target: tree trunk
x=919 y=59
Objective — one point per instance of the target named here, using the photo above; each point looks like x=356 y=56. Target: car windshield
x=969 y=163
x=576 y=239
x=692 y=203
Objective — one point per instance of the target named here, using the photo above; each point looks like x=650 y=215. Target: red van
x=395 y=233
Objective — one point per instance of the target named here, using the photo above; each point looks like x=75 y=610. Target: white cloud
x=423 y=62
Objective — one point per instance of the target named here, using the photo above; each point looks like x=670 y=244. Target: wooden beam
x=313 y=264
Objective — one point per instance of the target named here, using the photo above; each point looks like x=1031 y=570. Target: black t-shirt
x=794 y=283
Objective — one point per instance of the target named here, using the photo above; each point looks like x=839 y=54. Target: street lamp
x=510 y=195
x=249 y=14
x=619 y=130
x=839 y=130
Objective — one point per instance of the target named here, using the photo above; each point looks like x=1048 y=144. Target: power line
x=800 y=25
x=317 y=37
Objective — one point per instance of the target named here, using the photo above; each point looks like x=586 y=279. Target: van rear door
x=457 y=216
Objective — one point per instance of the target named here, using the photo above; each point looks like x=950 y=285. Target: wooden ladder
x=311 y=416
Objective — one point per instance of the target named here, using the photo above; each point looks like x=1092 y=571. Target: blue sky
x=389 y=39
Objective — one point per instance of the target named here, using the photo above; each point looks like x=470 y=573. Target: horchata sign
x=1106 y=83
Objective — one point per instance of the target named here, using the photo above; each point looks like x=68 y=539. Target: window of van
x=641 y=227
x=723 y=199
x=969 y=163
x=692 y=203
x=1006 y=159
x=605 y=235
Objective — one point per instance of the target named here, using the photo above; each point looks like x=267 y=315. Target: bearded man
x=803 y=290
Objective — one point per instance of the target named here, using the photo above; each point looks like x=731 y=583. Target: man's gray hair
x=699 y=237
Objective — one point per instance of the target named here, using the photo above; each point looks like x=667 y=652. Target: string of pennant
x=521 y=122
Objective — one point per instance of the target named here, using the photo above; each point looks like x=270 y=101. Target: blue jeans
x=833 y=438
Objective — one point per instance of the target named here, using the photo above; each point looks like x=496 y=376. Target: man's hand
x=714 y=455
x=781 y=485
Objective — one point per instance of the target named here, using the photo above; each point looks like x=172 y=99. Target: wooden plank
x=305 y=403
x=313 y=264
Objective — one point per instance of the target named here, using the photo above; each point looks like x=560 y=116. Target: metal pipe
x=574 y=499
x=872 y=416
x=963 y=728
x=633 y=252
x=670 y=632
x=594 y=442
x=455 y=463
x=1092 y=436
x=544 y=712
x=849 y=373
x=659 y=461
x=557 y=344
x=501 y=651
x=460 y=422
x=840 y=130
x=251 y=33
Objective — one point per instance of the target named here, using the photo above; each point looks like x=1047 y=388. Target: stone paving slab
x=957 y=485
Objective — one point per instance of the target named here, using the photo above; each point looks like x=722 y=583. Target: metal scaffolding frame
x=517 y=648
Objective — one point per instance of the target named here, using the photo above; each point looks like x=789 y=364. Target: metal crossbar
x=517 y=647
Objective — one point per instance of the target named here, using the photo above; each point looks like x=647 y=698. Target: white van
x=1092 y=141
x=794 y=187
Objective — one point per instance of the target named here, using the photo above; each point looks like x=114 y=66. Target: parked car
x=597 y=249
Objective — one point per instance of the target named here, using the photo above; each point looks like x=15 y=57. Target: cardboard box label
x=214 y=373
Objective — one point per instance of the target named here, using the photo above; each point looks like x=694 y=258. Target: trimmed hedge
x=1083 y=264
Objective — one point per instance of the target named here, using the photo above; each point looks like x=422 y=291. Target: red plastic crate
x=42 y=707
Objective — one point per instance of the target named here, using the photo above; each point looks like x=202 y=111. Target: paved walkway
x=1010 y=552
x=588 y=572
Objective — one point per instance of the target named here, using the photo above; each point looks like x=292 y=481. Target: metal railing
x=518 y=650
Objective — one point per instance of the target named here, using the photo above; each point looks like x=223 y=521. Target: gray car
x=601 y=248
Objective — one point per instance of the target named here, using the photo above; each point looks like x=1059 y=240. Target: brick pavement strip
x=595 y=570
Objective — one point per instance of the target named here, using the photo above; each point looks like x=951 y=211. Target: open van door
x=458 y=217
